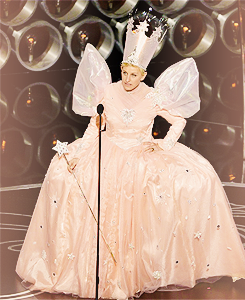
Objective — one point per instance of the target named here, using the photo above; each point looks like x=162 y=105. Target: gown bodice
x=129 y=115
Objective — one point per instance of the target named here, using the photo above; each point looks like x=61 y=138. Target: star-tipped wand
x=62 y=150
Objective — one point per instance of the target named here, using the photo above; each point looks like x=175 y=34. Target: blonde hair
x=125 y=64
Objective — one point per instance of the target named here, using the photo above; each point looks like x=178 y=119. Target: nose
x=127 y=78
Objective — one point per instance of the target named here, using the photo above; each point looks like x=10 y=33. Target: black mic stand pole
x=100 y=109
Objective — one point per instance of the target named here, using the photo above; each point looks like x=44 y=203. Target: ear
x=143 y=76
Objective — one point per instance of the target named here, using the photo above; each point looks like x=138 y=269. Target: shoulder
x=114 y=86
x=112 y=91
x=110 y=88
x=144 y=90
x=145 y=87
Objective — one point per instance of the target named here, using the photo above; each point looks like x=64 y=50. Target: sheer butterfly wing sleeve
x=176 y=96
x=177 y=89
x=93 y=75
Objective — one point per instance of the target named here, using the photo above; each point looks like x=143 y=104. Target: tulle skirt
x=164 y=216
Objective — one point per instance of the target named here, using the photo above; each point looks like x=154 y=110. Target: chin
x=127 y=88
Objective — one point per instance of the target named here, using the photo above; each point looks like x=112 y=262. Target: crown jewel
x=144 y=33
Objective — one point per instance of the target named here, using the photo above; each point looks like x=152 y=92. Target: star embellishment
x=71 y=256
x=131 y=246
x=197 y=235
x=157 y=33
x=157 y=275
x=127 y=115
x=130 y=23
x=61 y=148
x=143 y=27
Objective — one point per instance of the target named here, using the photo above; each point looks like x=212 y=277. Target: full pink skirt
x=164 y=215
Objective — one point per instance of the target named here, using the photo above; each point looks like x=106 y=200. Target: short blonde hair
x=125 y=64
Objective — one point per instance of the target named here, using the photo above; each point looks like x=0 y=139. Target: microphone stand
x=100 y=109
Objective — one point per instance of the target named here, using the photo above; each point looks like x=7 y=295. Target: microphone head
x=100 y=109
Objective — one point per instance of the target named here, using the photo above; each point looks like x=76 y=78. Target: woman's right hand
x=72 y=164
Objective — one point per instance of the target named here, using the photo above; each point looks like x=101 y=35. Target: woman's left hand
x=150 y=147
x=72 y=164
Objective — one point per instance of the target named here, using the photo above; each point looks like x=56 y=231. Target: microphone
x=100 y=109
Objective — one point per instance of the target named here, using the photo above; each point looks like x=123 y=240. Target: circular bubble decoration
x=91 y=30
x=38 y=45
x=167 y=6
x=14 y=13
x=213 y=141
x=218 y=5
x=115 y=8
x=4 y=111
x=37 y=105
x=5 y=49
x=192 y=33
x=230 y=90
x=229 y=24
x=16 y=152
x=64 y=11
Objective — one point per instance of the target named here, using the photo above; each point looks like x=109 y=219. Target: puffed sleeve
x=177 y=89
x=92 y=78
x=176 y=96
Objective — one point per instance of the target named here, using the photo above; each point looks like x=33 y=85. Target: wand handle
x=107 y=245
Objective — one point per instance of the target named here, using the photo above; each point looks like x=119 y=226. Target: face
x=131 y=77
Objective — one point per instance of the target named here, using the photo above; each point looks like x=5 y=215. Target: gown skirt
x=164 y=215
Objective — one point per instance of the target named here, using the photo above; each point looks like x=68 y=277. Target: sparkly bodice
x=129 y=115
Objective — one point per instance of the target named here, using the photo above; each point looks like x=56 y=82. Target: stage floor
x=17 y=205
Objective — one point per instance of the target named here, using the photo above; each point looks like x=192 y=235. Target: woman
x=164 y=213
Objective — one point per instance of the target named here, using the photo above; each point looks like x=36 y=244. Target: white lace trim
x=167 y=143
x=159 y=96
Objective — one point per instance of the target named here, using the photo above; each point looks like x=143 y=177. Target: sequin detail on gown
x=164 y=212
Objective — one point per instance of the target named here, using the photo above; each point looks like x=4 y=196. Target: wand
x=62 y=149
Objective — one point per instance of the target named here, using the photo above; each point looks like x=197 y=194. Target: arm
x=175 y=131
x=90 y=136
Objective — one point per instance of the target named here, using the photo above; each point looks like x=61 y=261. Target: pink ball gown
x=164 y=212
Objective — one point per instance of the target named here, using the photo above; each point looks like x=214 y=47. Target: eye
x=134 y=75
